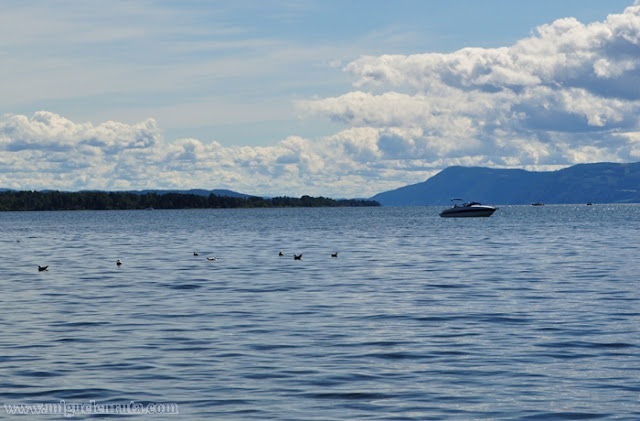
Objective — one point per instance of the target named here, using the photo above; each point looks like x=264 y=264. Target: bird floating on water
x=212 y=258
x=334 y=254
x=119 y=262
x=281 y=253
x=195 y=253
x=42 y=268
x=297 y=256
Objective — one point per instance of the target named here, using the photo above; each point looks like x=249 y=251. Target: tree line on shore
x=97 y=200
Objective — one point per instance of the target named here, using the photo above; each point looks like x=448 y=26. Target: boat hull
x=468 y=212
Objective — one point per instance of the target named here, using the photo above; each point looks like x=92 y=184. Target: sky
x=332 y=98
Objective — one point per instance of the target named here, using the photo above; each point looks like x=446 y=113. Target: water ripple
x=525 y=315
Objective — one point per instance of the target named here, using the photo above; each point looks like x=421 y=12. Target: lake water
x=533 y=313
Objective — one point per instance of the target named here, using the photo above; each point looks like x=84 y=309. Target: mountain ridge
x=602 y=182
x=197 y=192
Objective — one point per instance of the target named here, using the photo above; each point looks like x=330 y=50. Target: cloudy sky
x=324 y=97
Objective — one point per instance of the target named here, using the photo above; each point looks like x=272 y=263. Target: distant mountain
x=598 y=183
x=197 y=192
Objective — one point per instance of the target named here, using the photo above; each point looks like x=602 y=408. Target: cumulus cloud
x=568 y=93
x=559 y=97
x=49 y=151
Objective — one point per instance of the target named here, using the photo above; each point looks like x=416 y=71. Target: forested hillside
x=56 y=200
x=598 y=183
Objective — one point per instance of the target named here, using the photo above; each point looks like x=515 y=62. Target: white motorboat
x=463 y=209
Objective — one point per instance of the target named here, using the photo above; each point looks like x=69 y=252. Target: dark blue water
x=531 y=314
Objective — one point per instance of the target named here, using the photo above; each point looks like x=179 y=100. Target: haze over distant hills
x=198 y=192
x=597 y=183
x=583 y=183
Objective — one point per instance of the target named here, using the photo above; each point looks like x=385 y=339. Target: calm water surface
x=531 y=314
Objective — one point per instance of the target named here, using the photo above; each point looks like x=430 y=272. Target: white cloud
x=555 y=98
x=46 y=150
x=568 y=93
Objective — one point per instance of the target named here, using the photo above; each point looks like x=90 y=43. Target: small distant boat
x=462 y=209
x=537 y=204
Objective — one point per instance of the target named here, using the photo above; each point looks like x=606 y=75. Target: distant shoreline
x=57 y=201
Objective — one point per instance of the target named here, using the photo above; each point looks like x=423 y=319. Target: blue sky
x=334 y=98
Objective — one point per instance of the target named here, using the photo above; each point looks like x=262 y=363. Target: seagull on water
x=297 y=256
x=119 y=262
x=42 y=268
x=212 y=258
